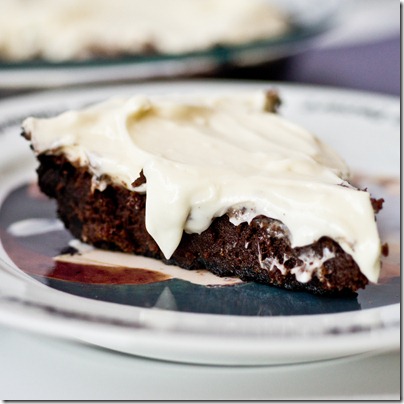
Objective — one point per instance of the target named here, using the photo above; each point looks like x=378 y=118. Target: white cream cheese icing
x=205 y=156
x=78 y=29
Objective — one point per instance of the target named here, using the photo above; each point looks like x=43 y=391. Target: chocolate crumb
x=385 y=250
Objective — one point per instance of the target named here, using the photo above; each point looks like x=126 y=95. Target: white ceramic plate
x=311 y=19
x=272 y=326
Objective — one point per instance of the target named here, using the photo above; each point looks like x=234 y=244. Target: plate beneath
x=182 y=320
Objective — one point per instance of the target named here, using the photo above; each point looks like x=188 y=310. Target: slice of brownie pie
x=218 y=182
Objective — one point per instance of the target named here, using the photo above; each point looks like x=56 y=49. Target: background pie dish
x=307 y=20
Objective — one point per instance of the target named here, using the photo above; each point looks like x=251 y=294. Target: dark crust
x=114 y=219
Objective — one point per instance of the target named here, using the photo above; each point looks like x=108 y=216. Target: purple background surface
x=371 y=66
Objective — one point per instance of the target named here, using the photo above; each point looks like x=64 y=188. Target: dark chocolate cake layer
x=261 y=251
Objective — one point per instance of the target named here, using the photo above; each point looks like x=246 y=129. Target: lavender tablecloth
x=371 y=66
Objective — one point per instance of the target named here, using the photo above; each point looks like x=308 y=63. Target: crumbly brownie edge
x=114 y=219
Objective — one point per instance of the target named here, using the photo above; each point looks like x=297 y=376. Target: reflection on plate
x=139 y=306
x=310 y=18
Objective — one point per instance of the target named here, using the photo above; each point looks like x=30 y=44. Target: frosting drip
x=206 y=156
